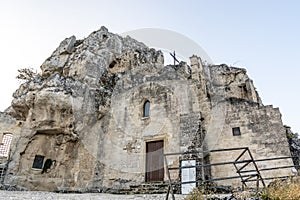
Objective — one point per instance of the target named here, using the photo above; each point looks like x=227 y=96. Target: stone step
x=145 y=188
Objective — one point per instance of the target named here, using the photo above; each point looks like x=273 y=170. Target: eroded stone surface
x=84 y=115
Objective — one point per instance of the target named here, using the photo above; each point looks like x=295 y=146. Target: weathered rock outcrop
x=61 y=106
x=294 y=142
x=82 y=124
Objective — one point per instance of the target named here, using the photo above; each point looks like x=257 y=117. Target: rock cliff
x=79 y=124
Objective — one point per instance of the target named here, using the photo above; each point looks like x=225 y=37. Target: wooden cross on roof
x=174 y=57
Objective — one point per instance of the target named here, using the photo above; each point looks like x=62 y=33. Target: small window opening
x=236 y=131
x=38 y=162
x=146 y=109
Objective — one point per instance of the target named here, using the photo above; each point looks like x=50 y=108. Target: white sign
x=187 y=175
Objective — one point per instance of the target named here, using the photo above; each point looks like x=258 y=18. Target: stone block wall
x=261 y=130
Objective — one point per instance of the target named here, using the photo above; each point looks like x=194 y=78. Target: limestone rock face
x=61 y=106
x=80 y=124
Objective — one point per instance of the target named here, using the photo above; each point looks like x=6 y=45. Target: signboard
x=187 y=175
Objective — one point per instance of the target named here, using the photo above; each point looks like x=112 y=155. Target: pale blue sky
x=261 y=36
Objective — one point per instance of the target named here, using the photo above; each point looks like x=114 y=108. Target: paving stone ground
x=32 y=195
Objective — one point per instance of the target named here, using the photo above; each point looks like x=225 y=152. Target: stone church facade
x=105 y=109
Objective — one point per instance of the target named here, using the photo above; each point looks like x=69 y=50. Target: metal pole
x=170 y=188
x=202 y=170
x=258 y=173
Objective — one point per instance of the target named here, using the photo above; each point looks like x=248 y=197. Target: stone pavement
x=34 y=195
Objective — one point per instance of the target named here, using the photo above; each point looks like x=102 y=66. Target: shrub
x=282 y=190
x=195 y=194
x=26 y=74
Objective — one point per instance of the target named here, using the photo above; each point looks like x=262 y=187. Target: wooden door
x=155 y=161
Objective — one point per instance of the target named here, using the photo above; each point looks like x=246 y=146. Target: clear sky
x=261 y=36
